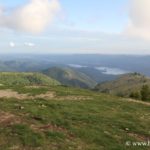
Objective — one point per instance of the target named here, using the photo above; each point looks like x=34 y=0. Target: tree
x=135 y=95
x=145 y=93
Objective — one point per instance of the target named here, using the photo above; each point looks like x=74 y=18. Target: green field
x=71 y=119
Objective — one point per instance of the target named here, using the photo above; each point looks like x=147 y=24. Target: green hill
x=124 y=85
x=12 y=78
x=71 y=119
x=70 y=77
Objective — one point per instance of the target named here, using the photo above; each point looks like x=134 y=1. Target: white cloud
x=29 y=44
x=33 y=17
x=139 y=13
x=12 y=44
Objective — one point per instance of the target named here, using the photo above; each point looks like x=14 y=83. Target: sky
x=75 y=26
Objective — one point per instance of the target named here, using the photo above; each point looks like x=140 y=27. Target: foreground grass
x=102 y=123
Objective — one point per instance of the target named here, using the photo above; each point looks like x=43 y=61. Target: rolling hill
x=124 y=85
x=62 y=118
x=70 y=77
x=13 y=78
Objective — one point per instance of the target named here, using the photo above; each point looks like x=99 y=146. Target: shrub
x=145 y=93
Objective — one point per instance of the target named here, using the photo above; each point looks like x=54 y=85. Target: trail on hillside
x=137 y=101
x=13 y=94
x=48 y=95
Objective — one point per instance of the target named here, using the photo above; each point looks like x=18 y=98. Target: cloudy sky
x=75 y=26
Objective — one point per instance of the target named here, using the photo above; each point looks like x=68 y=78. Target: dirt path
x=74 y=98
x=137 y=101
x=8 y=118
x=13 y=94
x=49 y=95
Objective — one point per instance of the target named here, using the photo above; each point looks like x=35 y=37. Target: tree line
x=143 y=94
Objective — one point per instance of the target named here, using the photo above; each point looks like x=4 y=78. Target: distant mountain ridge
x=70 y=77
x=124 y=85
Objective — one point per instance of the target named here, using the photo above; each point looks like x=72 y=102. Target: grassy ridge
x=12 y=78
x=102 y=123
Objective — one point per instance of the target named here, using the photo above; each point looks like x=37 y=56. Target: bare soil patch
x=34 y=86
x=54 y=128
x=139 y=137
x=13 y=94
x=74 y=98
x=8 y=118
x=47 y=95
x=138 y=101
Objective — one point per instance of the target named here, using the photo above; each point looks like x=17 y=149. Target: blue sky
x=107 y=16
x=74 y=26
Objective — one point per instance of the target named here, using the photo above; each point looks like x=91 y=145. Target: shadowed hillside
x=70 y=77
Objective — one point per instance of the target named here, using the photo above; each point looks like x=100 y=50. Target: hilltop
x=63 y=118
x=38 y=113
x=124 y=85
x=13 y=78
x=70 y=77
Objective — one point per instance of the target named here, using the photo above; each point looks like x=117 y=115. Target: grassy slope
x=70 y=77
x=12 y=78
x=102 y=123
x=124 y=85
